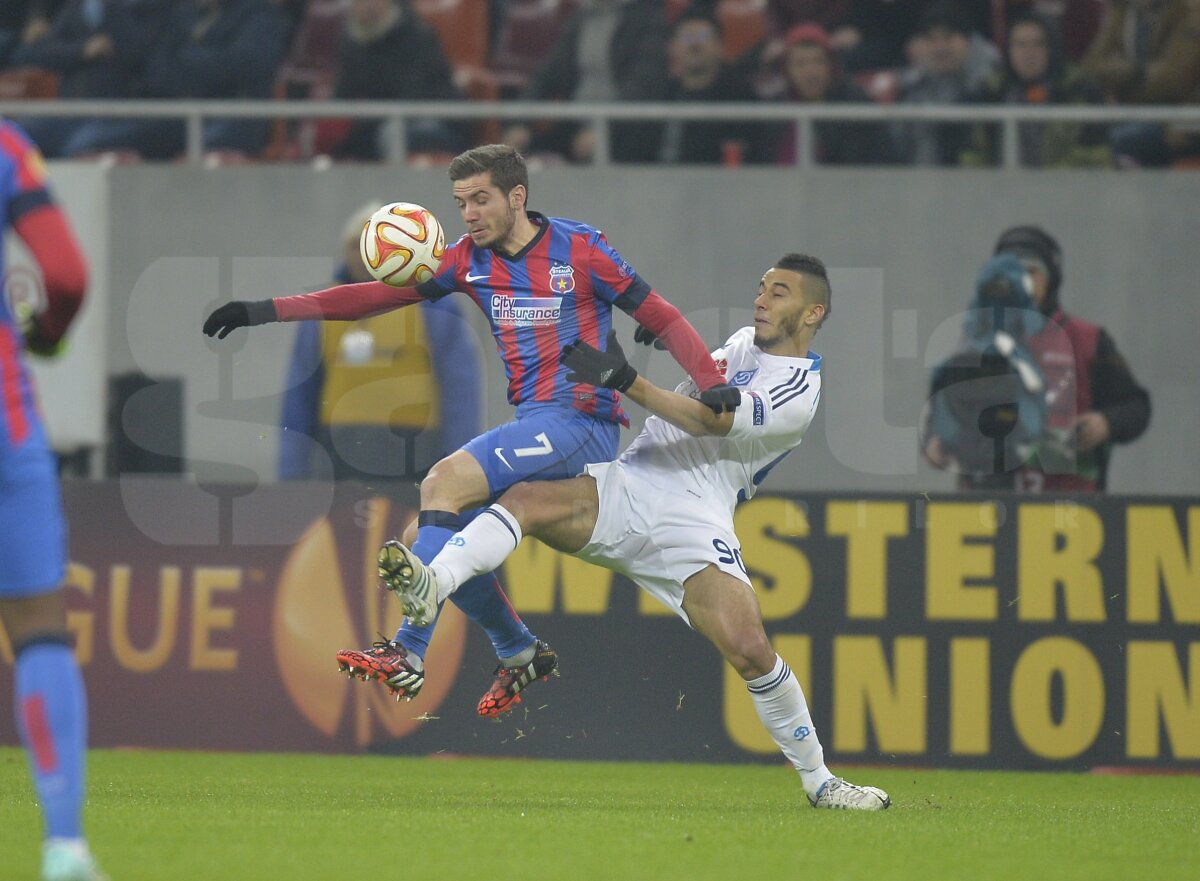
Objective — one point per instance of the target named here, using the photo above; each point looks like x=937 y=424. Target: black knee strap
x=50 y=637
x=445 y=519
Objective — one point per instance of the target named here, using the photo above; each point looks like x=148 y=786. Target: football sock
x=51 y=710
x=780 y=703
x=480 y=598
x=482 y=546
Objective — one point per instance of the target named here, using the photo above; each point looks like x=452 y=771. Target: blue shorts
x=33 y=533
x=545 y=442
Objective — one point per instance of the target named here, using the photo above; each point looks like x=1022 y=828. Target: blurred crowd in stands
x=904 y=52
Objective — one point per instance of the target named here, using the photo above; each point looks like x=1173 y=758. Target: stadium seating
x=744 y=23
x=462 y=27
x=529 y=30
x=28 y=83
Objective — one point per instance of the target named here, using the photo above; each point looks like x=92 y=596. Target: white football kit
x=666 y=505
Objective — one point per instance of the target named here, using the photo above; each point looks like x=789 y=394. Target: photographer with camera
x=1035 y=398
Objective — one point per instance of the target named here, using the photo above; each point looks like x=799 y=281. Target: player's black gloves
x=721 y=398
x=591 y=366
x=239 y=313
x=646 y=336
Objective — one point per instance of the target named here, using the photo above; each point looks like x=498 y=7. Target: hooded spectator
x=1036 y=72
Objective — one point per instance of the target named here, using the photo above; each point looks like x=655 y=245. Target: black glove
x=591 y=366
x=239 y=313
x=721 y=398
x=646 y=336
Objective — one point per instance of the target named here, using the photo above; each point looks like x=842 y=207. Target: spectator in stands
x=698 y=72
x=24 y=21
x=950 y=64
x=1036 y=72
x=871 y=34
x=388 y=53
x=208 y=49
x=12 y=22
x=866 y=34
x=1147 y=52
x=1077 y=21
x=99 y=47
x=381 y=397
x=613 y=50
x=813 y=75
x=524 y=33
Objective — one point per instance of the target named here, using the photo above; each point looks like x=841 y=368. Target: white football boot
x=414 y=585
x=837 y=794
x=68 y=859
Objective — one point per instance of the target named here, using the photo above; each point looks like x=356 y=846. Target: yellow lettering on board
x=163 y=643
x=1083 y=698
x=866 y=526
x=970 y=696
x=207 y=617
x=1155 y=555
x=1055 y=551
x=535 y=574
x=1156 y=688
x=950 y=561
x=894 y=698
x=780 y=571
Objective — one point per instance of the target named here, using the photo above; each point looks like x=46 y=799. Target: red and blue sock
x=51 y=710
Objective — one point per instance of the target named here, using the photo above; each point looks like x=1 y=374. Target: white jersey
x=779 y=398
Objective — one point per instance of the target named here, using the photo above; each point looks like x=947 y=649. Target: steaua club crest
x=562 y=278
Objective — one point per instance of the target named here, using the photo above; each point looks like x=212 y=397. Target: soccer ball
x=402 y=244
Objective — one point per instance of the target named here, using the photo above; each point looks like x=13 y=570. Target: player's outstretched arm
x=711 y=415
x=662 y=320
x=344 y=302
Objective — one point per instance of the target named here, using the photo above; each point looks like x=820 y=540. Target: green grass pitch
x=171 y=816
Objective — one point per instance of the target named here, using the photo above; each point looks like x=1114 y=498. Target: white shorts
x=659 y=539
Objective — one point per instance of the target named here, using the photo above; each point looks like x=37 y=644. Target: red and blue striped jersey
x=560 y=287
x=22 y=188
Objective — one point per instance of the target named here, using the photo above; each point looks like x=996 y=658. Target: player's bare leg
x=725 y=610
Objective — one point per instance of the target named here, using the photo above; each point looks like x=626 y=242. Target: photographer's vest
x=378 y=371
x=1065 y=350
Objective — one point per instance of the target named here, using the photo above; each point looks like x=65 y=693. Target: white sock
x=780 y=703
x=480 y=547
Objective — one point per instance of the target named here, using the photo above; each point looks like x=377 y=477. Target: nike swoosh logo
x=500 y=456
x=471 y=278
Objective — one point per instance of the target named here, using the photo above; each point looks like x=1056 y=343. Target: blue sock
x=51 y=710
x=481 y=599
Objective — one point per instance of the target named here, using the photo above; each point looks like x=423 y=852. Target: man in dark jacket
x=1036 y=72
x=698 y=73
x=208 y=49
x=613 y=50
x=99 y=47
x=388 y=53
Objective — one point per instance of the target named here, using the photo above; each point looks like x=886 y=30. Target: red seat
x=28 y=83
x=744 y=23
x=462 y=29
x=311 y=63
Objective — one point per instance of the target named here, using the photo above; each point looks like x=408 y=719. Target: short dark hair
x=813 y=268
x=505 y=165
